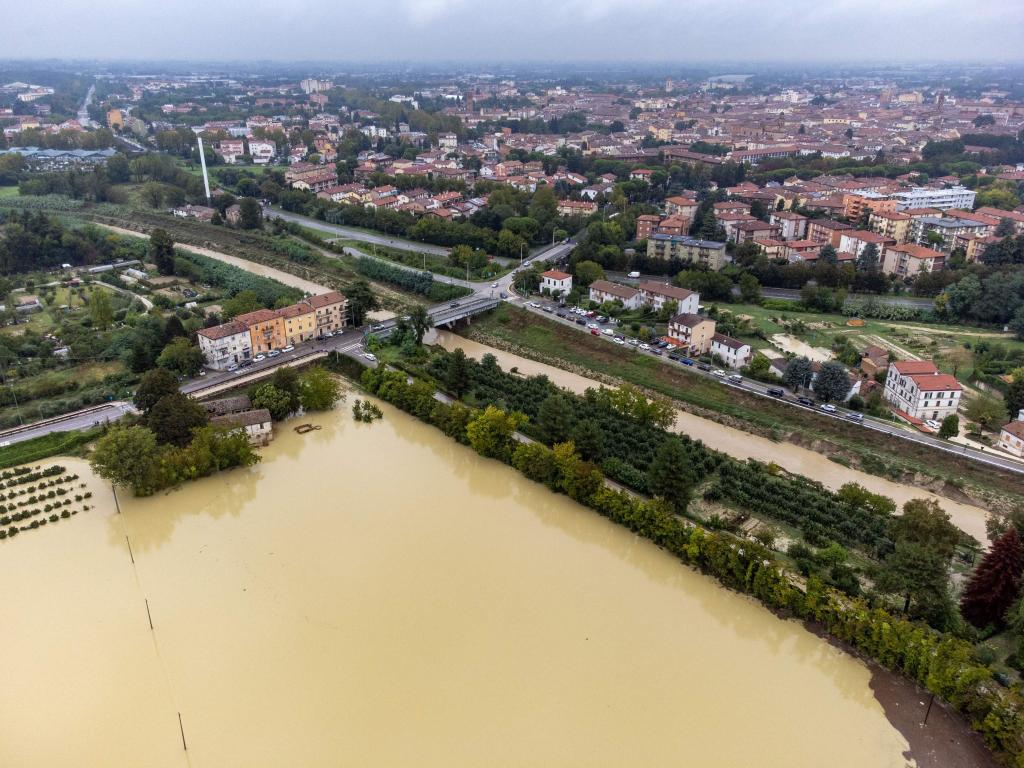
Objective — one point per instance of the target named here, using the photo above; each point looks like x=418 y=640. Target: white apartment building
x=262 y=152
x=602 y=291
x=656 y=294
x=225 y=345
x=920 y=390
x=734 y=353
x=553 y=280
x=943 y=199
x=1011 y=436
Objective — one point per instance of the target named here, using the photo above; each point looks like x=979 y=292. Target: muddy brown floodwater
x=739 y=444
x=378 y=595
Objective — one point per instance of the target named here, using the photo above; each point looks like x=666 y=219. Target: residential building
x=874 y=359
x=1011 y=437
x=943 y=199
x=826 y=231
x=263 y=152
x=225 y=345
x=602 y=291
x=553 y=280
x=266 y=329
x=258 y=425
x=681 y=206
x=909 y=259
x=946 y=230
x=894 y=225
x=646 y=226
x=685 y=248
x=657 y=294
x=921 y=391
x=792 y=226
x=855 y=241
x=734 y=353
x=871 y=201
x=691 y=332
x=331 y=311
x=228 y=405
x=299 y=322
x=576 y=208
x=674 y=225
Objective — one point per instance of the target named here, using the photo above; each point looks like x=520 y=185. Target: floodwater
x=791 y=344
x=378 y=595
x=741 y=445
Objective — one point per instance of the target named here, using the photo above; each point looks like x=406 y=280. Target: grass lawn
x=9 y=191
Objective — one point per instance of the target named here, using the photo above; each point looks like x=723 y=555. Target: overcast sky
x=689 y=31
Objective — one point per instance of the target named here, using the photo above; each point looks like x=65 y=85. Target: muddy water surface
x=739 y=444
x=381 y=596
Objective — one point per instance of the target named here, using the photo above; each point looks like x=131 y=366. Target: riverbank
x=911 y=464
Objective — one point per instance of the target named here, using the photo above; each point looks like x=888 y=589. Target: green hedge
x=417 y=282
x=44 y=446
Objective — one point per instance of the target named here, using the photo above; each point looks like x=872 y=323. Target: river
x=378 y=595
x=739 y=444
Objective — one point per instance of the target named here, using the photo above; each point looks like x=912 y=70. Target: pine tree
x=996 y=583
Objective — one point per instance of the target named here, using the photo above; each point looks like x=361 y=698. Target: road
x=73 y=424
x=791 y=294
x=83 y=113
x=355 y=234
x=895 y=429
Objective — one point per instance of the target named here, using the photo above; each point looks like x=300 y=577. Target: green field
x=8 y=191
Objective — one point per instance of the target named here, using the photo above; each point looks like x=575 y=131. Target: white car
x=634 y=342
x=608 y=332
x=593 y=326
x=526 y=265
x=494 y=285
x=736 y=377
x=933 y=424
x=720 y=374
x=259 y=358
x=233 y=367
x=535 y=305
x=329 y=335
x=645 y=345
x=274 y=353
x=828 y=408
x=619 y=341
x=371 y=357
x=289 y=348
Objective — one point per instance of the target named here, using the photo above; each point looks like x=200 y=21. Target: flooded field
x=739 y=444
x=377 y=595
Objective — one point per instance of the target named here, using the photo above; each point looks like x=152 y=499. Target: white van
x=634 y=274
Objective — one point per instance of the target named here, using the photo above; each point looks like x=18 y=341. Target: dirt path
x=876 y=339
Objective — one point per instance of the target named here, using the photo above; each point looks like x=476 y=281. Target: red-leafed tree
x=996 y=583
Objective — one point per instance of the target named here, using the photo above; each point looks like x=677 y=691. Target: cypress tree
x=996 y=583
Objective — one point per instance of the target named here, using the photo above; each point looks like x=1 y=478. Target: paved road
x=896 y=429
x=354 y=234
x=783 y=293
x=83 y=113
x=76 y=423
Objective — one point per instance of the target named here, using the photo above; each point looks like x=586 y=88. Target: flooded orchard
x=378 y=595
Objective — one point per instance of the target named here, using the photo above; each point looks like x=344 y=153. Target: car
x=321 y=337
x=548 y=309
x=662 y=344
x=378 y=326
x=620 y=336
x=704 y=367
x=591 y=314
x=719 y=373
x=776 y=392
x=736 y=377
x=858 y=417
x=494 y=285
x=260 y=358
x=634 y=274
x=454 y=304
x=595 y=331
x=686 y=361
x=202 y=373
x=619 y=341
x=645 y=345
x=371 y=357
x=673 y=356
x=592 y=326
x=805 y=401
x=561 y=305
x=289 y=348
x=526 y=264
x=580 y=321
x=933 y=424
x=657 y=352
x=608 y=332
x=828 y=408
x=535 y=305
x=232 y=367
x=602 y=319
x=329 y=335
x=560 y=314
x=565 y=241
x=245 y=364
x=503 y=295
x=274 y=353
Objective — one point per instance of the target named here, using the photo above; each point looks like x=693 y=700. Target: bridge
x=445 y=315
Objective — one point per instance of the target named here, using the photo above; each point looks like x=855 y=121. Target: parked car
x=560 y=314
x=645 y=346
x=620 y=336
x=259 y=358
x=634 y=342
x=329 y=335
x=704 y=367
x=245 y=364
x=737 y=378
x=289 y=348
x=274 y=353
x=858 y=417
x=580 y=321
x=321 y=337
x=548 y=309
x=776 y=392
x=658 y=352
x=595 y=331
x=828 y=408
x=686 y=361
x=933 y=424
x=662 y=345
x=805 y=401
x=232 y=367
x=609 y=332
x=370 y=356
x=602 y=319
x=673 y=357
x=592 y=326
x=720 y=373
x=619 y=341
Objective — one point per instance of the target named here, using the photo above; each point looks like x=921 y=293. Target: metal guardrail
x=58 y=419
x=248 y=378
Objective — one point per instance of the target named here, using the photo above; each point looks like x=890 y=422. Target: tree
x=318 y=389
x=280 y=404
x=868 y=258
x=832 y=381
x=589 y=440
x=126 y=456
x=492 y=433
x=182 y=357
x=554 y=420
x=250 y=214
x=920 y=575
x=100 y=309
x=924 y=522
x=458 y=378
x=950 y=426
x=828 y=255
x=750 y=289
x=174 y=328
x=995 y=584
x=286 y=379
x=361 y=299
x=1005 y=228
x=174 y=417
x=669 y=475
x=587 y=272
x=986 y=410
x=242 y=303
x=118 y=170
x=154 y=385
x=1014 y=395
x=958 y=357
x=1017 y=323
x=419 y=319
x=152 y=193
x=799 y=373
x=161 y=248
